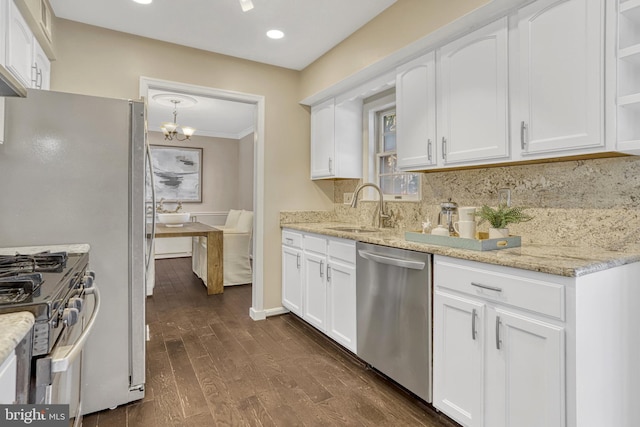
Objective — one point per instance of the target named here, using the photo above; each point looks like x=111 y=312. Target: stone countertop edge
x=556 y=260
x=14 y=327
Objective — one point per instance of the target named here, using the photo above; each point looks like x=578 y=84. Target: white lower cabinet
x=341 y=293
x=520 y=348
x=292 y=289
x=458 y=380
x=319 y=283
x=496 y=363
x=315 y=290
x=525 y=371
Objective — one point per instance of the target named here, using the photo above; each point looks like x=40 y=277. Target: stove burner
x=12 y=265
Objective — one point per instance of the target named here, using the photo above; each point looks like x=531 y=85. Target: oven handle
x=70 y=352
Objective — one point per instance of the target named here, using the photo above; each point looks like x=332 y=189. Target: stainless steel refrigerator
x=72 y=170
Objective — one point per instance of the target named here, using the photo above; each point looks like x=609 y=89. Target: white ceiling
x=210 y=116
x=312 y=27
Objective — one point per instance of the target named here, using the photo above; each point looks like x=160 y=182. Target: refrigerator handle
x=153 y=204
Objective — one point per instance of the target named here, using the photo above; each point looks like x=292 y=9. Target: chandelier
x=170 y=129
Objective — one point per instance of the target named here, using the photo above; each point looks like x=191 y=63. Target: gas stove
x=50 y=285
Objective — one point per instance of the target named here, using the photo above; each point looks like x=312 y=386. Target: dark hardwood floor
x=209 y=364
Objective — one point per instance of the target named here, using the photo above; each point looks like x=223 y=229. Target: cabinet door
x=322 y=139
x=458 y=364
x=315 y=290
x=416 y=113
x=473 y=96
x=292 y=279
x=41 y=75
x=19 y=46
x=561 y=80
x=525 y=372
x=347 y=160
x=341 y=288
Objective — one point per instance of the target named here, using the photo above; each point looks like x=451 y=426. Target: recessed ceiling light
x=275 y=34
x=143 y=1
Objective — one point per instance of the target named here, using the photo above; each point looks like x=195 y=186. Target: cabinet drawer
x=292 y=239
x=504 y=285
x=342 y=250
x=316 y=244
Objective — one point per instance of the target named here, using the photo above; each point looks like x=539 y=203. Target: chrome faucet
x=381 y=213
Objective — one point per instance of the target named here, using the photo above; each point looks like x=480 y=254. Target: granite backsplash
x=584 y=203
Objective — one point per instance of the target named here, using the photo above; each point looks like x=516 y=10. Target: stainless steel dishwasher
x=393 y=294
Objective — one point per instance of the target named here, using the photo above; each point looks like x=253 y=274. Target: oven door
x=58 y=375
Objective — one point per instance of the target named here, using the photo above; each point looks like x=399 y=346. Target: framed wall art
x=177 y=173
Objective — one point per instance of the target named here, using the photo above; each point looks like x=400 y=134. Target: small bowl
x=174 y=218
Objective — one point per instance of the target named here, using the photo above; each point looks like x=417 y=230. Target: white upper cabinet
x=628 y=77
x=560 y=91
x=416 y=113
x=19 y=46
x=336 y=139
x=41 y=69
x=322 y=143
x=472 y=79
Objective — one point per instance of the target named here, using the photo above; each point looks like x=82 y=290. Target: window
x=395 y=185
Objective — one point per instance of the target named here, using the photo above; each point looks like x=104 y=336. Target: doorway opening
x=256 y=311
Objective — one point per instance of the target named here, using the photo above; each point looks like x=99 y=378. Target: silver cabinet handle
x=498 y=340
x=444 y=148
x=328 y=273
x=298 y=261
x=330 y=165
x=523 y=127
x=321 y=268
x=289 y=240
x=474 y=313
x=491 y=288
x=429 y=149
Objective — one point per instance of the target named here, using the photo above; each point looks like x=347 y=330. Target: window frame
x=378 y=146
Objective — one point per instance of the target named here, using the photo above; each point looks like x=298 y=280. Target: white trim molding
x=257 y=288
x=263 y=314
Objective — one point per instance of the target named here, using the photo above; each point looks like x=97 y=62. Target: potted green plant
x=499 y=218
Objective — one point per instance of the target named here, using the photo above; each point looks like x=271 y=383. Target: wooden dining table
x=214 y=249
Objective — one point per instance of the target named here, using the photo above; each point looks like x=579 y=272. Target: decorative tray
x=482 y=244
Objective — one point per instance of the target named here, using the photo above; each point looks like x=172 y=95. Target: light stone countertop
x=13 y=328
x=27 y=250
x=560 y=261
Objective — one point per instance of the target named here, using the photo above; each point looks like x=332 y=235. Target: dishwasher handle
x=397 y=262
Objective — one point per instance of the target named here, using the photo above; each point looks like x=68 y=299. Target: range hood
x=9 y=85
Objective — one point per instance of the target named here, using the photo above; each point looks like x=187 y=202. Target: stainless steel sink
x=355 y=229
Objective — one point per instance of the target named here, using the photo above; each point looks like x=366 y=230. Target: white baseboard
x=172 y=255
x=263 y=314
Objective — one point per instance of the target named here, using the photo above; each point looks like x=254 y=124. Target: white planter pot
x=498 y=233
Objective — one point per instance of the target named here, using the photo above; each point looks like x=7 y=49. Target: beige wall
x=401 y=24
x=220 y=166
x=95 y=61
